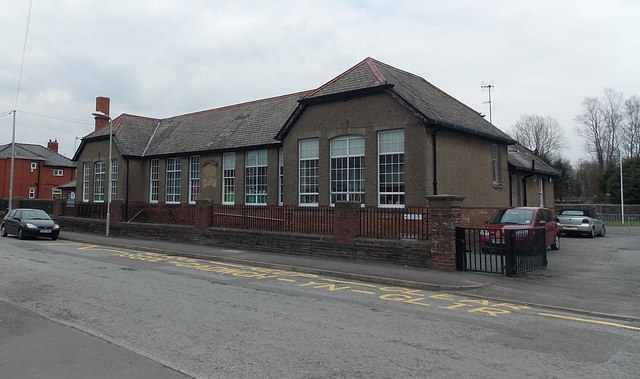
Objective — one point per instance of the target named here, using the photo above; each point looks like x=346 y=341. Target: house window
x=32 y=193
x=113 y=173
x=174 y=168
x=58 y=172
x=56 y=193
x=347 y=169
x=228 y=178
x=86 y=177
x=256 y=177
x=308 y=151
x=496 y=164
x=194 y=178
x=391 y=168
x=280 y=177
x=155 y=180
x=34 y=166
x=98 y=182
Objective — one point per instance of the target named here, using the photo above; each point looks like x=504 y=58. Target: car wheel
x=21 y=234
x=592 y=233
x=603 y=232
x=556 y=243
x=53 y=238
x=3 y=231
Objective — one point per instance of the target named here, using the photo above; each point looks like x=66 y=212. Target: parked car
x=521 y=219
x=25 y=222
x=578 y=221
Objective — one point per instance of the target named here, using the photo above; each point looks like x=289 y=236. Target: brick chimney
x=53 y=145
x=102 y=105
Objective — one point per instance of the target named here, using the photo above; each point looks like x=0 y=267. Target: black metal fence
x=509 y=252
x=394 y=223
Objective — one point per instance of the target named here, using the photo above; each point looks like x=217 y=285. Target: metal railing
x=395 y=223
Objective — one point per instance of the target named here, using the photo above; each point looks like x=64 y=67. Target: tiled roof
x=520 y=158
x=238 y=126
x=261 y=122
x=36 y=153
x=433 y=103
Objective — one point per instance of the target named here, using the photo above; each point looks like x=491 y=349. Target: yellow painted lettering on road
x=456 y=306
x=589 y=321
x=364 y=292
x=511 y=306
x=490 y=311
x=329 y=286
x=443 y=296
x=403 y=298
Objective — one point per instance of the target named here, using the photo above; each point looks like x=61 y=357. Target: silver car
x=578 y=221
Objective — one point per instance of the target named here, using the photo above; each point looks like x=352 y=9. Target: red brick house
x=38 y=171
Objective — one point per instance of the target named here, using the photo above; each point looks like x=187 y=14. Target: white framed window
x=256 y=177
x=347 y=169
x=56 y=193
x=154 y=178
x=391 y=180
x=58 y=172
x=32 y=192
x=280 y=177
x=496 y=164
x=86 y=178
x=34 y=166
x=194 y=178
x=228 y=178
x=174 y=171
x=113 y=181
x=98 y=182
x=308 y=152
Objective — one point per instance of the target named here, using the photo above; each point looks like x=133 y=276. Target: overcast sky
x=165 y=58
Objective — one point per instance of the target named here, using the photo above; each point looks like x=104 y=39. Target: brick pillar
x=203 y=215
x=346 y=221
x=116 y=212
x=58 y=207
x=444 y=216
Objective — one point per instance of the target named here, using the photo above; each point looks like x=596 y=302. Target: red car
x=521 y=218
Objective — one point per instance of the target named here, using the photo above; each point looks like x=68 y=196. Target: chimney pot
x=53 y=145
x=102 y=105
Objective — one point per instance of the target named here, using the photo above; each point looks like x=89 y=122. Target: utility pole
x=488 y=88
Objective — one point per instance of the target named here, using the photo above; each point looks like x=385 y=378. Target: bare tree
x=540 y=134
x=631 y=128
x=592 y=129
x=613 y=119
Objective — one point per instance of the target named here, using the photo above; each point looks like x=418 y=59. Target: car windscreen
x=35 y=214
x=512 y=217
x=572 y=213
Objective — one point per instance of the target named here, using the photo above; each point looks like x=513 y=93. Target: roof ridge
x=305 y=93
x=343 y=74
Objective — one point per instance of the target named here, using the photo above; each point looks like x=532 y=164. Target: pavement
x=563 y=287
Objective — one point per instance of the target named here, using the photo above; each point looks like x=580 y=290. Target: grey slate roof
x=520 y=158
x=36 y=153
x=238 y=126
x=433 y=103
x=264 y=122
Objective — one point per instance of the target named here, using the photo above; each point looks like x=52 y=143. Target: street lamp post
x=108 y=181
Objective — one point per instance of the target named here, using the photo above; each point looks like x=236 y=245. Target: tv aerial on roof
x=488 y=86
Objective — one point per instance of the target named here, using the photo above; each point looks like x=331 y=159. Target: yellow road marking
x=347 y=282
x=285 y=280
x=364 y=292
x=589 y=321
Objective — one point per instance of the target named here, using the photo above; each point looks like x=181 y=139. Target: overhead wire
x=24 y=51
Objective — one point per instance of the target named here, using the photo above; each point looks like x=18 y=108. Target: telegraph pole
x=488 y=88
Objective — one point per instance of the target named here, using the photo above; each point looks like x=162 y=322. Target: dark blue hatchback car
x=29 y=223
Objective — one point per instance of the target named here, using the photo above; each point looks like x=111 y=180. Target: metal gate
x=508 y=252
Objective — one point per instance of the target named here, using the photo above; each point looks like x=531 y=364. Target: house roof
x=265 y=122
x=254 y=123
x=428 y=101
x=36 y=153
x=521 y=158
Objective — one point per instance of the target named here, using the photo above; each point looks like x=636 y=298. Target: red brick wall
x=23 y=178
